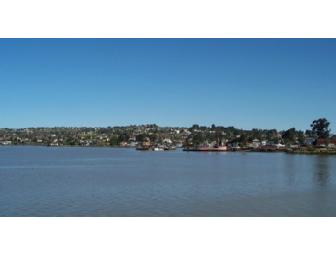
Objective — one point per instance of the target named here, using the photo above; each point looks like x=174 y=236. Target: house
x=322 y=143
x=294 y=146
x=167 y=140
x=234 y=146
x=146 y=142
x=332 y=142
x=332 y=145
x=309 y=141
x=256 y=143
x=187 y=132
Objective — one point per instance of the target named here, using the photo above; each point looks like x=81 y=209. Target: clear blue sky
x=279 y=83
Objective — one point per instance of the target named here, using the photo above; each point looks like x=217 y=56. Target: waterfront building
x=256 y=143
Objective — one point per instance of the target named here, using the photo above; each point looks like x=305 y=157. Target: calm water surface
x=41 y=181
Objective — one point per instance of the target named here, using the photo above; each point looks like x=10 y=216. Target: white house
x=255 y=143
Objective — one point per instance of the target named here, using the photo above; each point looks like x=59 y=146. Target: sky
x=246 y=83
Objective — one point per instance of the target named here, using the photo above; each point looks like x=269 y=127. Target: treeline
x=200 y=134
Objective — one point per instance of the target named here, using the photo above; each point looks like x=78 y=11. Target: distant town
x=318 y=139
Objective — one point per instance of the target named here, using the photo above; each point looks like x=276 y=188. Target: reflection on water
x=289 y=169
x=322 y=174
x=39 y=181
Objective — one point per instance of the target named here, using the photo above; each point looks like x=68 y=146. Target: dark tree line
x=320 y=128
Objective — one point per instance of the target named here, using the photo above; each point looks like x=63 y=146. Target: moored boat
x=158 y=149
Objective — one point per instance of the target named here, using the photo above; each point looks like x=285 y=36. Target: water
x=41 y=181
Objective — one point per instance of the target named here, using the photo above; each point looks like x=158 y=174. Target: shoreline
x=315 y=151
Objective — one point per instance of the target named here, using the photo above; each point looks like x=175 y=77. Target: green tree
x=320 y=128
x=195 y=126
x=198 y=139
x=300 y=137
x=140 y=138
x=114 y=140
x=309 y=133
x=243 y=139
x=289 y=136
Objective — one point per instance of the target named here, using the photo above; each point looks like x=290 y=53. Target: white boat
x=158 y=149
